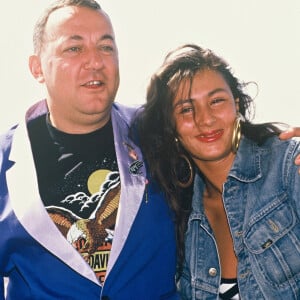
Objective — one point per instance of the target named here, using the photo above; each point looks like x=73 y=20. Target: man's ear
x=36 y=68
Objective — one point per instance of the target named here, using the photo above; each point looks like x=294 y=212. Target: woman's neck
x=215 y=173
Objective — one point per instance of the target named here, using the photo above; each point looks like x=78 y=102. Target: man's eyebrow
x=77 y=37
x=107 y=37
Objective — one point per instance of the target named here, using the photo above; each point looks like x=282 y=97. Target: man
x=79 y=217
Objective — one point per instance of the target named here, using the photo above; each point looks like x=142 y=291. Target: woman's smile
x=210 y=137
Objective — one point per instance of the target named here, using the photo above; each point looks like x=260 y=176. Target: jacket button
x=104 y=298
x=212 y=272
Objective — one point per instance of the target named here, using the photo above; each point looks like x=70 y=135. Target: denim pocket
x=273 y=241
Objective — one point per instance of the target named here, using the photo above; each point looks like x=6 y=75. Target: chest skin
x=216 y=215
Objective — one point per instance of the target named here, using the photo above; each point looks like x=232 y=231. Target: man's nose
x=93 y=60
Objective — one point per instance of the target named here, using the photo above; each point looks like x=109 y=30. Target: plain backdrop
x=259 y=38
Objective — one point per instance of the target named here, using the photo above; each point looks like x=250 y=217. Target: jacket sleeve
x=1 y=288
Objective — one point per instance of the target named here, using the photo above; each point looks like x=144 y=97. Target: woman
x=242 y=225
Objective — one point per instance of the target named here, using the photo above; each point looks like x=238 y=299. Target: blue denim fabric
x=262 y=200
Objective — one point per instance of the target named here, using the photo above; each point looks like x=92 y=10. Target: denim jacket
x=262 y=201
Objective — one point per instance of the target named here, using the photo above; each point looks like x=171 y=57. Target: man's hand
x=290 y=133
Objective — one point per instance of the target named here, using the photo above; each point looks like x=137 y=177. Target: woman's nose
x=204 y=117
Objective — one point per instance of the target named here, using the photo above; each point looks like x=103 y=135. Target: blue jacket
x=39 y=261
x=262 y=200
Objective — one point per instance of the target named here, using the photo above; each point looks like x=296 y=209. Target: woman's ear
x=237 y=105
x=36 y=68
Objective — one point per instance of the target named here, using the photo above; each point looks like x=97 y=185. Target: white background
x=259 y=38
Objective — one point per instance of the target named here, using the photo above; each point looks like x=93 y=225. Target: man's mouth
x=93 y=84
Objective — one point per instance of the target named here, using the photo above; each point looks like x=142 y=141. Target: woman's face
x=204 y=114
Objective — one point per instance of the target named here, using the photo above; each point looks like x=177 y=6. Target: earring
x=236 y=135
x=183 y=170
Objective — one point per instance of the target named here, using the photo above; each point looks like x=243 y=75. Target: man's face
x=79 y=65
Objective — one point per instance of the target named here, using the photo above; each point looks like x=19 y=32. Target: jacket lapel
x=133 y=181
x=31 y=213
x=29 y=209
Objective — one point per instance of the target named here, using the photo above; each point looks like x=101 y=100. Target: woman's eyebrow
x=183 y=101
x=217 y=90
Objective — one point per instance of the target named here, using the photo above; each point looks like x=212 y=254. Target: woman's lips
x=209 y=137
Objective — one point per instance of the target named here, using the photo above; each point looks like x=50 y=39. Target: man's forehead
x=73 y=23
x=74 y=15
x=62 y=14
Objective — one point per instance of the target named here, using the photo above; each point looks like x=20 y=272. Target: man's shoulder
x=6 y=138
x=125 y=111
x=5 y=143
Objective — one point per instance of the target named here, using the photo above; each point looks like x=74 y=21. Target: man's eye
x=107 y=48
x=74 y=49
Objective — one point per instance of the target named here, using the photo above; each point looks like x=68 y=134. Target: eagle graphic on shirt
x=93 y=236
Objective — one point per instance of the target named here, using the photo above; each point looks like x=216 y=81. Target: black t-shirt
x=79 y=184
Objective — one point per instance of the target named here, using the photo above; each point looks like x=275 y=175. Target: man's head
x=39 y=29
x=76 y=57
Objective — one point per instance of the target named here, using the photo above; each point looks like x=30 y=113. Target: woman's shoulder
x=276 y=144
x=273 y=143
x=279 y=152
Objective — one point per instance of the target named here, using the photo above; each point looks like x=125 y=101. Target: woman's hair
x=156 y=126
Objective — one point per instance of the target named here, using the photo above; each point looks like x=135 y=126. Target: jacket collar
x=247 y=164
x=246 y=168
x=28 y=206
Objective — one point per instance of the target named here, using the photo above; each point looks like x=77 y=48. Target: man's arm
x=1 y=289
x=290 y=133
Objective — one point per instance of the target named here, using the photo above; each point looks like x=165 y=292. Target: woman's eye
x=186 y=110
x=217 y=100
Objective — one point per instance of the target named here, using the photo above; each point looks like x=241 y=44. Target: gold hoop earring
x=184 y=171
x=236 y=135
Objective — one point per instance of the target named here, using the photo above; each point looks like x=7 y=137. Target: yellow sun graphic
x=95 y=180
